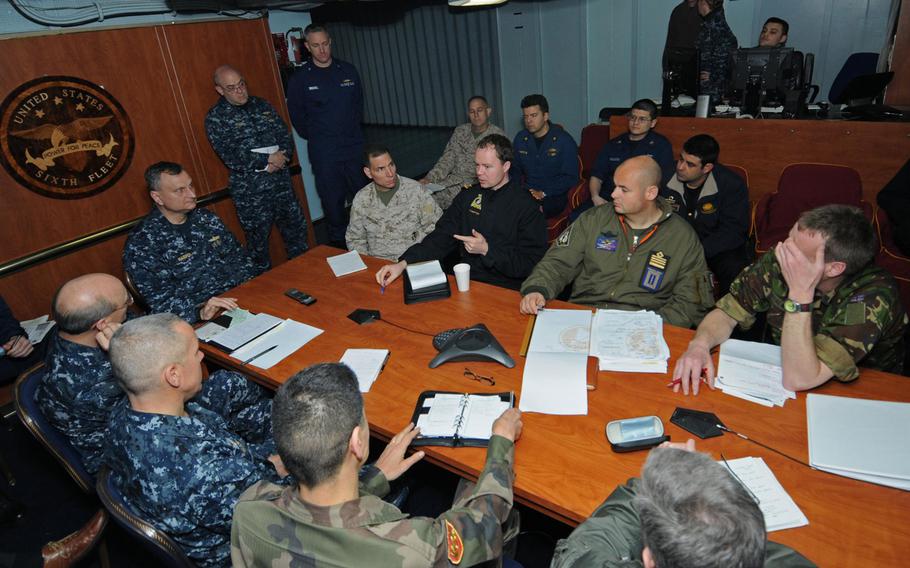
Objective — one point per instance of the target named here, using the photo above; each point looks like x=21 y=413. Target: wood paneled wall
x=162 y=76
x=877 y=150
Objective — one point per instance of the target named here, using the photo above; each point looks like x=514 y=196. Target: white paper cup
x=462 y=276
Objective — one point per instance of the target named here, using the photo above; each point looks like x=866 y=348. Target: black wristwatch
x=792 y=307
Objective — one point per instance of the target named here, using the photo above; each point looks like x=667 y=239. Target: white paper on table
x=208 y=331
x=37 y=328
x=629 y=341
x=288 y=337
x=237 y=335
x=752 y=369
x=480 y=414
x=347 y=263
x=778 y=508
x=443 y=417
x=862 y=439
x=561 y=331
x=238 y=316
x=555 y=383
x=366 y=364
x=425 y=274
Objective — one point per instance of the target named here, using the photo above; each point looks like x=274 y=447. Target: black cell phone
x=301 y=297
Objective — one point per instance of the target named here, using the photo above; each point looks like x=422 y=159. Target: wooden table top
x=564 y=466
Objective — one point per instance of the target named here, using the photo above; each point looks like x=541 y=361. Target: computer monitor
x=680 y=75
x=762 y=74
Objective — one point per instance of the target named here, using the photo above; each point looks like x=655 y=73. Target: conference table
x=563 y=464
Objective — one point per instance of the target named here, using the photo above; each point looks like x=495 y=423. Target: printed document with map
x=555 y=374
x=632 y=342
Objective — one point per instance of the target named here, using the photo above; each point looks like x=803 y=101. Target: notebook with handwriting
x=458 y=419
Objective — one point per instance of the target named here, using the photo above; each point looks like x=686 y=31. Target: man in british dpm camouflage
x=78 y=391
x=455 y=169
x=180 y=465
x=255 y=145
x=325 y=521
x=631 y=254
x=392 y=212
x=181 y=258
x=827 y=305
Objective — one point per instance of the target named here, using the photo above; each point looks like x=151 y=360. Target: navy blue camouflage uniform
x=261 y=198
x=78 y=393
x=715 y=44
x=620 y=149
x=177 y=268
x=550 y=166
x=326 y=108
x=185 y=473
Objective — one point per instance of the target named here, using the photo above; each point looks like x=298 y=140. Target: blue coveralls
x=551 y=168
x=326 y=107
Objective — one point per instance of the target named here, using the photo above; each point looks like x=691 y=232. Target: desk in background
x=564 y=466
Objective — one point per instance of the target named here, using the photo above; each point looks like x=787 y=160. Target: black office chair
x=35 y=422
x=165 y=550
x=76 y=545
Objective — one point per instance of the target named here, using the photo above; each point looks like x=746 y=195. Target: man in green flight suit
x=827 y=305
x=686 y=511
x=323 y=439
x=632 y=254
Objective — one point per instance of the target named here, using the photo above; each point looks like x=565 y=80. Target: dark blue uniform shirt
x=621 y=148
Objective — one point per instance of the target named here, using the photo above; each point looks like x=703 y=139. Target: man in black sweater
x=497 y=227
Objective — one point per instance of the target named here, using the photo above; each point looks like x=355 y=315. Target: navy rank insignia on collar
x=216 y=241
x=552 y=151
x=653 y=275
x=184 y=257
x=563 y=240
x=606 y=241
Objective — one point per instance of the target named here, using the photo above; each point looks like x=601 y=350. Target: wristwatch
x=792 y=307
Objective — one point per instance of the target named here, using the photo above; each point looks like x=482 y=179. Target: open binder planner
x=458 y=419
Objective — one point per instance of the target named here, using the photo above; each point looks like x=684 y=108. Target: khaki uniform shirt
x=387 y=231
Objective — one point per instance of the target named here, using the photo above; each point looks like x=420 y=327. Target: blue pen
x=382 y=289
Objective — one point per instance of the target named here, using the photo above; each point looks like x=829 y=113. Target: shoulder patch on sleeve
x=454 y=544
x=564 y=237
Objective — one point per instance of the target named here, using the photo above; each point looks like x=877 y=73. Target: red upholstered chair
x=738 y=170
x=803 y=187
x=593 y=138
x=557 y=224
x=890 y=257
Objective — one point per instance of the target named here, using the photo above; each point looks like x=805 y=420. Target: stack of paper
x=776 y=505
x=37 y=328
x=270 y=348
x=752 y=371
x=629 y=341
x=346 y=263
x=366 y=364
x=425 y=274
x=862 y=439
x=555 y=374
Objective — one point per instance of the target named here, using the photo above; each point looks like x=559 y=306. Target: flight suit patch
x=655 y=269
x=477 y=203
x=563 y=240
x=606 y=241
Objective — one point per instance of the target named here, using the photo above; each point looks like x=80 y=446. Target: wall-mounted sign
x=64 y=137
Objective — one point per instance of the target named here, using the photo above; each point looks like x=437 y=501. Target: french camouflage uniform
x=508 y=218
x=611 y=538
x=715 y=45
x=662 y=268
x=720 y=216
x=274 y=527
x=185 y=473
x=76 y=395
x=550 y=166
x=456 y=169
x=387 y=231
x=177 y=268
x=862 y=321
x=326 y=108
x=261 y=198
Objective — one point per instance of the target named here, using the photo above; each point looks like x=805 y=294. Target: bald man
x=631 y=254
x=78 y=391
x=256 y=146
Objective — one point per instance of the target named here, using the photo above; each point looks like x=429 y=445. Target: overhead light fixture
x=474 y=3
